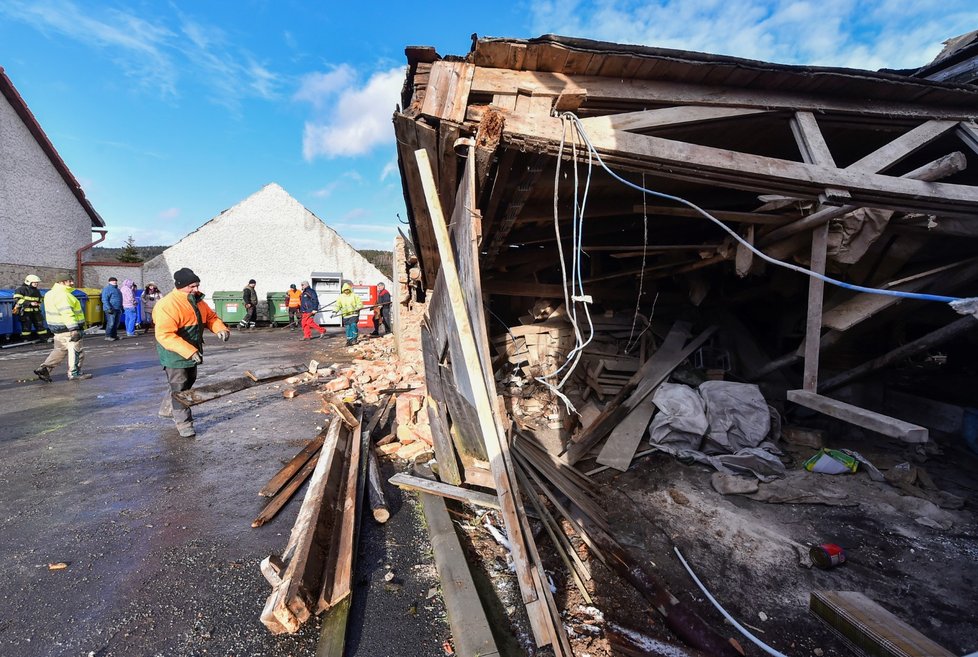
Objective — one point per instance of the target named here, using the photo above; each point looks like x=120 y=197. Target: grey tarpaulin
x=735 y=417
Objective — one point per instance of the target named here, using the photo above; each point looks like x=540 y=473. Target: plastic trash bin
x=6 y=314
x=83 y=300
x=229 y=306
x=278 y=308
x=93 y=309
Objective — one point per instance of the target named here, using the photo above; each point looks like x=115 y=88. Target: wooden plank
x=813 y=323
x=888 y=426
x=432 y=487
x=285 y=494
x=375 y=490
x=734 y=169
x=285 y=609
x=343 y=411
x=466 y=615
x=212 y=391
x=870 y=627
x=668 y=116
x=332 y=634
x=544 y=630
x=894 y=152
x=603 y=90
x=272 y=373
x=624 y=439
x=282 y=476
x=340 y=585
x=647 y=379
x=933 y=339
x=448 y=468
x=814 y=150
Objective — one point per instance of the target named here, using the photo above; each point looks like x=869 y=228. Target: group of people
x=119 y=306
x=179 y=319
x=302 y=304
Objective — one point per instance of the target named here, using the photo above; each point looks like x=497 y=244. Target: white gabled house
x=268 y=236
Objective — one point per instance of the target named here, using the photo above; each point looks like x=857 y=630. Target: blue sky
x=170 y=112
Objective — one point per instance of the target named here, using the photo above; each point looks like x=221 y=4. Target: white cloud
x=157 y=56
x=338 y=183
x=390 y=169
x=368 y=243
x=169 y=214
x=138 y=46
x=867 y=34
x=355 y=120
x=318 y=88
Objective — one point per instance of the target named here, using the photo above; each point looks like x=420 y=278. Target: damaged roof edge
x=958 y=91
x=23 y=111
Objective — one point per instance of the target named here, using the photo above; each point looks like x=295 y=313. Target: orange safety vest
x=295 y=297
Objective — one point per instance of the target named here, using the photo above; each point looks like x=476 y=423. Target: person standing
x=348 y=307
x=251 y=305
x=382 y=310
x=129 y=306
x=27 y=305
x=151 y=294
x=180 y=318
x=294 y=304
x=65 y=318
x=309 y=305
x=112 y=307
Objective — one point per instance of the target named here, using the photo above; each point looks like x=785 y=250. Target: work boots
x=79 y=377
x=43 y=373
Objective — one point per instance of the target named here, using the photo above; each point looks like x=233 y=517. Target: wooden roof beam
x=658 y=93
x=672 y=158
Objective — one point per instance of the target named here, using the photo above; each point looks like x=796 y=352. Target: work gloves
x=75 y=336
x=224 y=336
x=197 y=357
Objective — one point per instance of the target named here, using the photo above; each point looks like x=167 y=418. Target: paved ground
x=155 y=529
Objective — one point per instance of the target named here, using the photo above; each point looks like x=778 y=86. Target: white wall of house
x=270 y=237
x=42 y=224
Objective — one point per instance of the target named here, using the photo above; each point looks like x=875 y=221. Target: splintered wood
x=309 y=575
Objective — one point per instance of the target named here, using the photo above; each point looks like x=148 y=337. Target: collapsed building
x=719 y=256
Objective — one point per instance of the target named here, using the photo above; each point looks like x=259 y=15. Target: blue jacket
x=309 y=301
x=112 y=298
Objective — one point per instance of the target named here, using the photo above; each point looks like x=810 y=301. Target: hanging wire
x=779 y=263
x=641 y=280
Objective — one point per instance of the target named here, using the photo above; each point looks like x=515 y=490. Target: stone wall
x=98 y=275
x=12 y=276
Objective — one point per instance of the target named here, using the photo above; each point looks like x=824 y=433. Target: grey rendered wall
x=270 y=237
x=42 y=224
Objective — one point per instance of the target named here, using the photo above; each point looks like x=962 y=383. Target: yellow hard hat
x=347 y=286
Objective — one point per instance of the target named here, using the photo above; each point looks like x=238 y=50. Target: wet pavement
x=155 y=529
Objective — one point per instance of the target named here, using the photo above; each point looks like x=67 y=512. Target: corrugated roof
x=20 y=106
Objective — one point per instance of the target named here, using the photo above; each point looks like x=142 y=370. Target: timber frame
x=871 y=177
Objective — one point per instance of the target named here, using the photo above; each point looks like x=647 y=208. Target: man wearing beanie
x=251 y=305
x=180 y=318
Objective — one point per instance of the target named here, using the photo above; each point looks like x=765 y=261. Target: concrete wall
x=98 y=275
x=42 y=224
x=270 y=237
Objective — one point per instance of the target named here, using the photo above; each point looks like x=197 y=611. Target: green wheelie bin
x=278 y=308
x=229 y=306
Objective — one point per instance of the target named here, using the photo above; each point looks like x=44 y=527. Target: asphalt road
x=155 y=529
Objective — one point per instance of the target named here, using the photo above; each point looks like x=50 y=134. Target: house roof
x=20 y=106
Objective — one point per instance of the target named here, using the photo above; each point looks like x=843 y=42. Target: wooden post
x=813 y=328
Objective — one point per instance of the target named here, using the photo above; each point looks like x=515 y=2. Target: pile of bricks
x=382 y=368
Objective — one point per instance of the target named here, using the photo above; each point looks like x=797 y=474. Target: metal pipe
x=78 y=254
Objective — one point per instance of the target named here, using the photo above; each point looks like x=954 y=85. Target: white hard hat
x=31 y=278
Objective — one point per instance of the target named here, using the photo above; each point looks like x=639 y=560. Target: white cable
x=743 y=630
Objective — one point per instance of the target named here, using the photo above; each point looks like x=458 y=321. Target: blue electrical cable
x=780 y=263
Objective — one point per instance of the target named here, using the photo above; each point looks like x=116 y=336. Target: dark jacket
x=384 y=297
x=112 y=298
x=250 y=296
x=309 y=302
x=28 y=299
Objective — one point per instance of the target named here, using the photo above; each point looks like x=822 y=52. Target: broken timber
x=860 y=417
